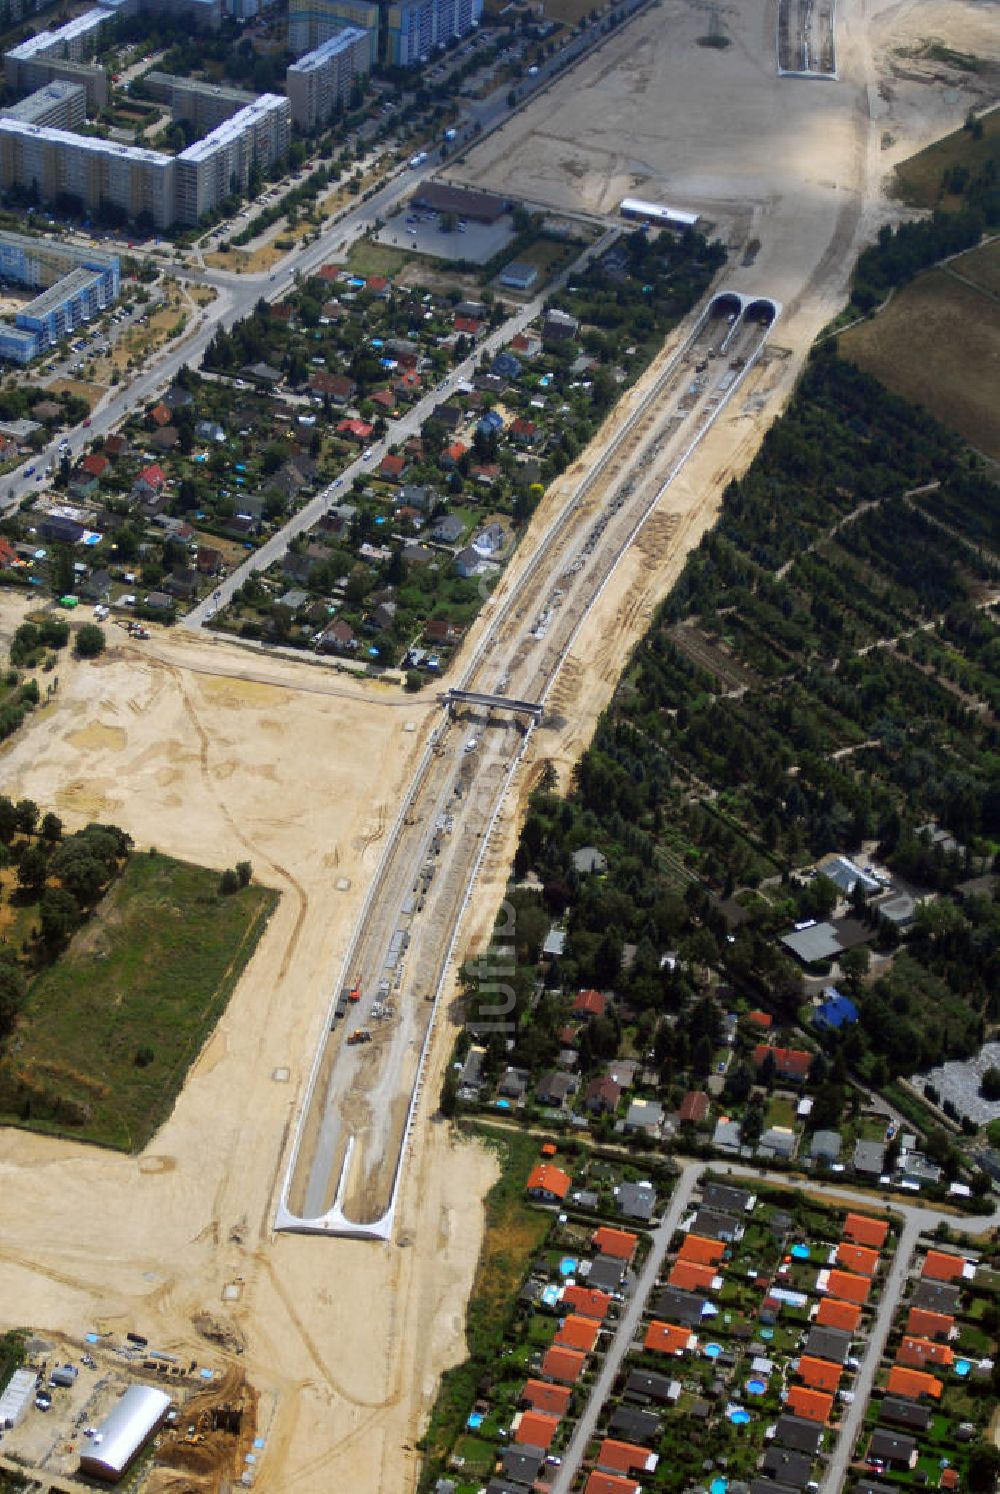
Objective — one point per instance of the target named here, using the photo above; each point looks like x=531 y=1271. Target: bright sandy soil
x=210 y=752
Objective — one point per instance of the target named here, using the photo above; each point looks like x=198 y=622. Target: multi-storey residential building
x=164 y=189
x=76 y=284
x=320 y=80
x=37 y=72
x=219 y=165
x=312 y=22
x=205 y=105
x=59 y=104
x=416 y=27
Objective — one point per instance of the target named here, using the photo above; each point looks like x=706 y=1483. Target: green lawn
x=110 y=1029
x=918 y=180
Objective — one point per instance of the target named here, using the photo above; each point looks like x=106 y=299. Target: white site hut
x=124 y=1432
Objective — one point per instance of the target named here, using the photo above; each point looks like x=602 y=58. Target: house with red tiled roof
x=95 y=464
x=618 y=1243
x=329 y=272
x=694 y=1108
x=936 y=1325
x=913 y=1384
x=693 y=1278
x=355 y=430
x=161 y=414
x=587 y=1301
x=453 y=454
x=589 y=1004
x=8 y=555
x=339 y=387
x=811 y=1405
x=703 y=1251
x=392 y=467
x=536 y=1429
x=578 y=1333
x=843 y=1315
x=524 y=432
x=602 y=1093
x=547 y=1183
x=385 y=399
x=667 y=1338
x=850 y=1288
x=485 y=473
x=378 y=285
x=949 y=1478
x=526 y=343
x=760 y=1019
x=610 y=1483
x=819 y=1374
x=857 y=1258
x=563 y=1364
x=466 y=326
x=918 y=1353
x=116 y=446
x=940 y=1265
x=789 y=1063
x=538 y=1396
x=862 y=1229
x=152 y=477
x=625 y=1457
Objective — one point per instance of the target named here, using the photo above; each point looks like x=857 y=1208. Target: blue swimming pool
x=550 y=1294
x=767 y=1333
x=962 y=1367
x=503 y=1104
x=800 y=1252
x=568 y=1265
x=712 y=1351
x=739 y=1417
x=475 y=1421
x=718 y=1486
x=756 y=1387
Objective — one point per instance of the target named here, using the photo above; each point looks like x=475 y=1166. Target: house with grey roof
x=644 y=1118
x=636 y=1200
x=825 y=1146
x=588 y=859
x=833 y=1344
x=869 y=1158
x=894 y=1449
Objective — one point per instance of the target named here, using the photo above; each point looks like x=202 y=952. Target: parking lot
x=423 y=233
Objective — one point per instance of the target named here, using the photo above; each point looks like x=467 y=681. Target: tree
x=59 y=914
x=12 y=991
x=90 y=641
x=989 y=1086
x=244 y=873
x=449 y=1093
x=26 y=816
x=984 y=1468
x=51 y=827
x=229 y=882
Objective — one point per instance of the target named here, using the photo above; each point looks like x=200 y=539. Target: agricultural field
x=938 y=345
x=109 y=1030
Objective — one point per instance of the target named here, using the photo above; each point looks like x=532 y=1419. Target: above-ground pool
x=475 y=1421
x=800 y=1252
x=962 y=1366
x=756 y=1387
x=568 y=1265
x=739 y=1417
x=767 y=1333
x=718 y=1486
x=712 y=1351
x=551 y=1294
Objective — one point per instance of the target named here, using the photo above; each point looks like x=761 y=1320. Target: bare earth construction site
x=212 y=754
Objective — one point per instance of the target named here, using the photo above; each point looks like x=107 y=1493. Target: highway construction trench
x=349 y=1146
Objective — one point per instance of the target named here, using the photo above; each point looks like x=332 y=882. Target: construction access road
x=351 y=1137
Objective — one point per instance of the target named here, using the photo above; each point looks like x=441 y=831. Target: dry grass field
x=918 y=180
x=981 y=266
x=938 y=344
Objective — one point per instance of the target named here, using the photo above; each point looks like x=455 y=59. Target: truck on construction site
x=354 y=994
x=133 y=629
x=362 y=1035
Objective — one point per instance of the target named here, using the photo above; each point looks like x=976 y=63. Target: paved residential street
x=627 y=1327
x=916 y=1221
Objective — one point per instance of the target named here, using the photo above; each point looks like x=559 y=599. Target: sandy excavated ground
x=213 y=753
x=344 y=1340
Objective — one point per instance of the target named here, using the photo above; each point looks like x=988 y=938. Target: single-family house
x=548 y=1183
x=792 y=1064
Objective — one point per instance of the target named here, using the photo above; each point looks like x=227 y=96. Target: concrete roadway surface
x=626 y=1329
x=916 y=1221
x=399 y=430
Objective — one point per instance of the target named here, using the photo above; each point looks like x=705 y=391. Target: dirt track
x=216 y=754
